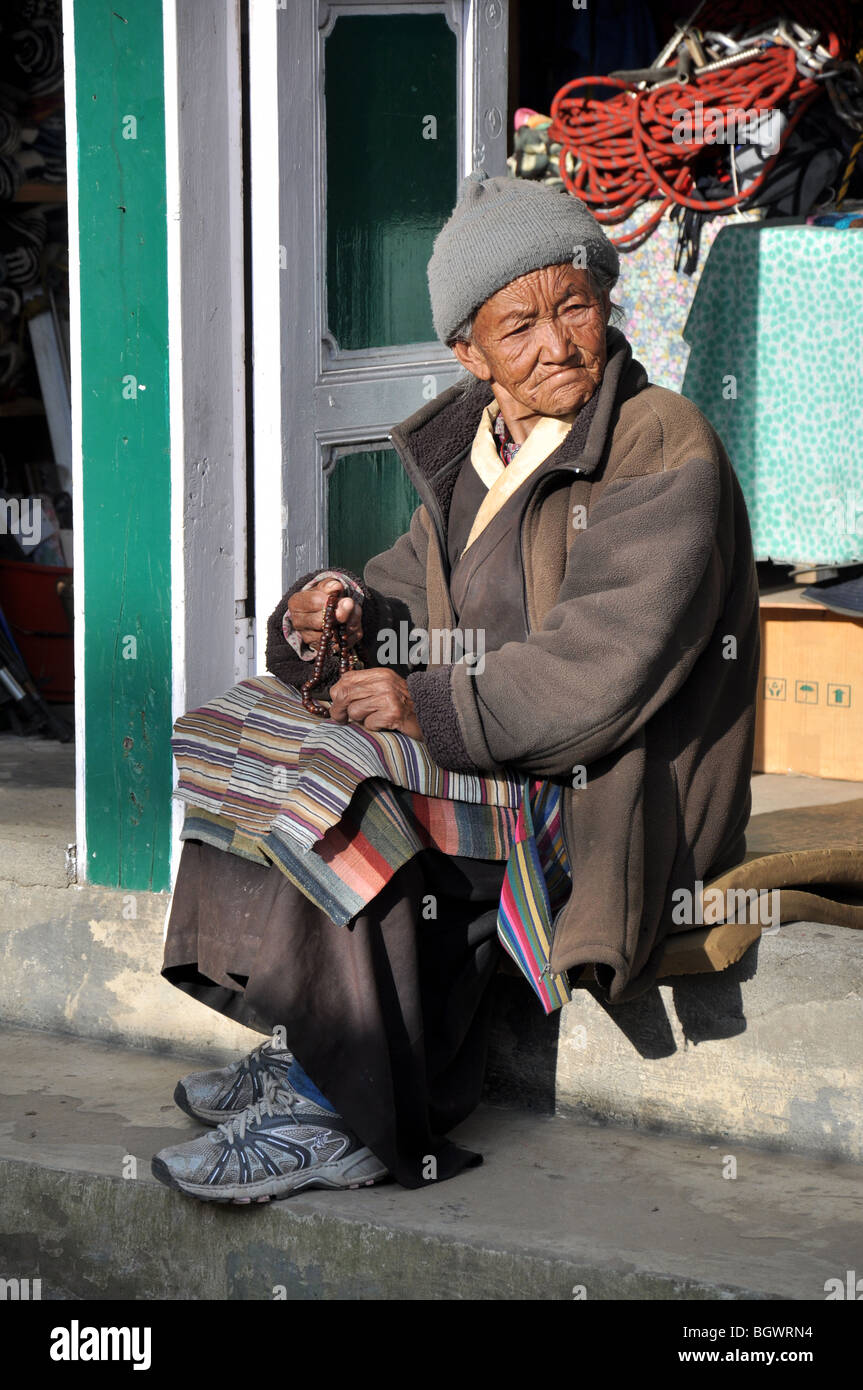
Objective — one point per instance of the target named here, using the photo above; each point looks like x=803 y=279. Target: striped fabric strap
x=536 y=881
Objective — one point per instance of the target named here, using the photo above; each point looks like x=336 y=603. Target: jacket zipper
x=546 y=970
x=425 y=493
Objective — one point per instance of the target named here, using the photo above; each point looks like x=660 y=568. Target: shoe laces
x=244 y=1063
x=257 y=1055
x=256 y=1066
x=236 y=1127
x=263 y=1054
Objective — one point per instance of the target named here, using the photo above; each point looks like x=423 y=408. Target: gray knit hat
x=502 y=228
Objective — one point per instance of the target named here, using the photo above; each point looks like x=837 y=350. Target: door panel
x=370 y=501
x=390 y=93
x=365 y=181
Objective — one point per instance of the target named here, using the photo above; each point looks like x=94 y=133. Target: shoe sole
x=365 y=1171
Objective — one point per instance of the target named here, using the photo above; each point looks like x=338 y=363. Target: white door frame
x=206 y=344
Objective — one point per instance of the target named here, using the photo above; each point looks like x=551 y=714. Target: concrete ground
x=37 y=809
x=560 y=1209
x=585 y=1185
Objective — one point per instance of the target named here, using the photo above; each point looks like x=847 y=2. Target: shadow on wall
x=522 y=1060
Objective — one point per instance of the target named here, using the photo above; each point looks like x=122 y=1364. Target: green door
x=400 y=100
x=391 y=98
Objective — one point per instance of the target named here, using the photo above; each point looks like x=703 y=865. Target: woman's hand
x=377 y=699
x=306 y=610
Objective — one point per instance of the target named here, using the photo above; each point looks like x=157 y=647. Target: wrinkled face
x=542 y=339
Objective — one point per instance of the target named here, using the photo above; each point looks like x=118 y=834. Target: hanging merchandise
x=658 y=277
x=535 y=155
x=31 y=54
x=781 y=384
x=36 y=644
x=656 y=299
x=33 y=221
x=22 y=239
x=21 y=702
x=737 y=89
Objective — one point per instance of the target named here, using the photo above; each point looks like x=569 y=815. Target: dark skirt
x=388 y=1015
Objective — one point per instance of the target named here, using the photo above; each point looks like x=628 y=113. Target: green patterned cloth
x=776 y=338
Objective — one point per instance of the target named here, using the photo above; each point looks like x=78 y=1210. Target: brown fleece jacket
x=641 y=662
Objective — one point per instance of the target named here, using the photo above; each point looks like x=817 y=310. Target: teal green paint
x=126 y=502
x=370 y=501
x=390 y=84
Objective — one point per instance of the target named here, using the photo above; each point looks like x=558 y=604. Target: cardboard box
x=810 y=689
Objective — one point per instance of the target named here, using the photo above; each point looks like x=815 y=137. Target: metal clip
x=844 y=82
x=694 y=43
x=810 y=56
x=683 y=71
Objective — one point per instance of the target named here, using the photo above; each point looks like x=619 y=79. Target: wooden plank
x=791 y=597
x=125 y=506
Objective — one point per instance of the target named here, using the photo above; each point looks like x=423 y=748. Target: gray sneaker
x=281 y=1145
x=214 y=1096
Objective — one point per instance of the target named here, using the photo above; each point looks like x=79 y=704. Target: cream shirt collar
x=502 y=480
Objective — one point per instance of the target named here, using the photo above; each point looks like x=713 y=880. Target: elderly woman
x=590 y=528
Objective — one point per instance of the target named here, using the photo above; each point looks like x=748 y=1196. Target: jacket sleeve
x=282 y=660
x=393 y=590
x=641 y=596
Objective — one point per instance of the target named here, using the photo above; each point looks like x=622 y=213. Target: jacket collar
x=436 y=439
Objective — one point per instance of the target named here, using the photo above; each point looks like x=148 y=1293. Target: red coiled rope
x=623 y=148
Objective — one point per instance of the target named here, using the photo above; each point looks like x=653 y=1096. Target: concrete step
x=769 y=1052
x=561 y=1208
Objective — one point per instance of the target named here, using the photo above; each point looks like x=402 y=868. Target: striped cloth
x=535 y=887
x=339 y=808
